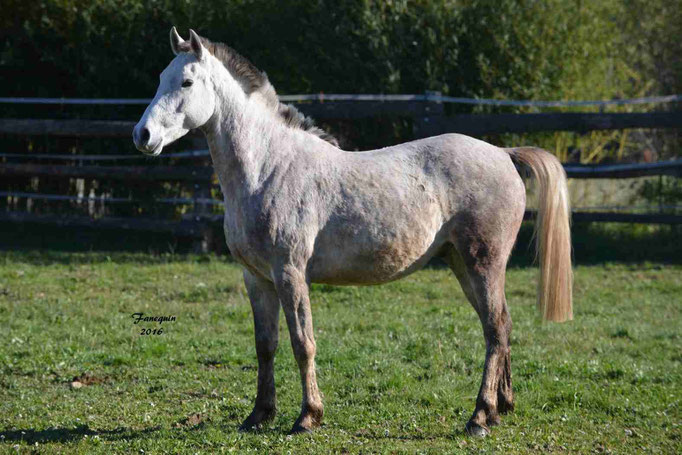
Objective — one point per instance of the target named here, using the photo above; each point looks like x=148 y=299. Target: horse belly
x=365 y=257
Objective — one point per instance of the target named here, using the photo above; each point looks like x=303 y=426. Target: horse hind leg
x=481 y=273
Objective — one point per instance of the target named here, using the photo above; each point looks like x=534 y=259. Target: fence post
x=421 y=127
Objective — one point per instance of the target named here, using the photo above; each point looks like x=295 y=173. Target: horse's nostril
x=144 y=136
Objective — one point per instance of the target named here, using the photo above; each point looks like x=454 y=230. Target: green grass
x=399 y=364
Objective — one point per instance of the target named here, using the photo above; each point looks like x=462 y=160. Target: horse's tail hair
x=552 y=233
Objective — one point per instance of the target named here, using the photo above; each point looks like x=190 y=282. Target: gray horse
x=300 y=210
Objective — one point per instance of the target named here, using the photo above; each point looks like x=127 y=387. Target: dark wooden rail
x=613 y=217
x=477 y=124
x=199 y=174
x=623 y=171
x=429 y=119
x=187 y=227
x=67 y=128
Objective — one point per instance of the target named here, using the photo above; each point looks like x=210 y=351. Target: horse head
x=184 y=100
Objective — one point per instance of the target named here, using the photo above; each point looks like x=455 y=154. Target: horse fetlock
x=485 y=405
x=315 y=411
x=492 y=419
x=505 y=399
x=485 y=415
x=505 y=393
x=505 y=406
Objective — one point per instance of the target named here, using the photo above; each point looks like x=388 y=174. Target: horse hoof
x=299 y=429
x=256 y=420
x=311 y=417
x=476 y=430
x=248 y=427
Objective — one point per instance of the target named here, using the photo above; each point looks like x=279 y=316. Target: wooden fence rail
x=429 y=121
x=187 y=227
x=474 y=124
x=199 y=174
x=623 y=171
x=67 y=128
x=614 y=217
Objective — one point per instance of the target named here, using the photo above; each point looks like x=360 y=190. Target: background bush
x=512 y=49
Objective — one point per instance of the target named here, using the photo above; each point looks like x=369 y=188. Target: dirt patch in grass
x=86 y=379
x=190 y=421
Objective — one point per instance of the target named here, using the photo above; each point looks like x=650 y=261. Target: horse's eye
x=187 y=83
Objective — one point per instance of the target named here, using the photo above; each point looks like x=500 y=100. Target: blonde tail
x=553 y=233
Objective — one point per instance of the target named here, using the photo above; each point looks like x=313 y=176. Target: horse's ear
x=176 y=41
x=195 y=44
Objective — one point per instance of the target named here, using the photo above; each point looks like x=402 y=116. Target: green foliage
x=509 y=48
x=652 y=39
x=665 y=191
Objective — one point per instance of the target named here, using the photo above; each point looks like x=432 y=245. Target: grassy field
x=399 y=365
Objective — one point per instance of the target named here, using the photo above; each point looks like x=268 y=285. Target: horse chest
x=250 y=243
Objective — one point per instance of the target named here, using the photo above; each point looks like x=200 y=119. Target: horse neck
x=246 y=141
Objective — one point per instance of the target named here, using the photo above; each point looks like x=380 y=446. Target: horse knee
x=290 y=279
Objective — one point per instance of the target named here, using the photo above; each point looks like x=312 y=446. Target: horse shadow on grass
x=32 y=435
x=66 y=435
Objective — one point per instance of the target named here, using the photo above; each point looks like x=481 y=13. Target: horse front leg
x=265 y=306
x=292 y=288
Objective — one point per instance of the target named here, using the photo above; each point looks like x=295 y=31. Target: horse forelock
x=253 y=80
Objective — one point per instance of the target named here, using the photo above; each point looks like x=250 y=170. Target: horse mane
x=255 y=81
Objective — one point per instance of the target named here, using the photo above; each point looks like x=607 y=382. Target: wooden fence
x=429 y=119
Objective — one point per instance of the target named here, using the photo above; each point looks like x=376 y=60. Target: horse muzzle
x=143 y=141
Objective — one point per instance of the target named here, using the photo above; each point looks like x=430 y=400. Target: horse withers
x=300 y=210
